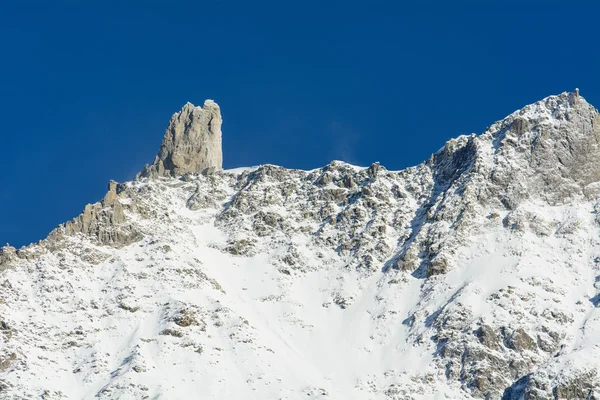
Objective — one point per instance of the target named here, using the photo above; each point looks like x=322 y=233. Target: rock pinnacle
x=192 y=143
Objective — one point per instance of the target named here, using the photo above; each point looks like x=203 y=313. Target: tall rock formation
x=192 y=143
x=473 y=275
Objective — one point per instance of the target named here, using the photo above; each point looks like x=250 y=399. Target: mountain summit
x=474 y=274
x=192 y=143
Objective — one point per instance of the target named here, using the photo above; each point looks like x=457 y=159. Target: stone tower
x=192 y=143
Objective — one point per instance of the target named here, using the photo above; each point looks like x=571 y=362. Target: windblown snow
x=472 y=275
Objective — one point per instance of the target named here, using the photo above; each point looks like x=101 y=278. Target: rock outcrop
x=7 y=254
x=104 y=221
x=192 y=143
x=548 y=150
x=475 y=274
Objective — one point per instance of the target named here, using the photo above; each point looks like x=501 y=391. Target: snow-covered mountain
x=475 y=274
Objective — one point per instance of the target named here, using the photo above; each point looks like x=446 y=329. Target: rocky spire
x=192 y=143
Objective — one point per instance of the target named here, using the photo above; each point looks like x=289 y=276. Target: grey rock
x=241 y=247
x=403 y=225
x=200 y=200
x=487 y=336
x=583 y=386
x=519 y=340
x=104 y=221
x=528 y=387
x=206 y=198
x=6 y=361
x=171 y=332
x=563 y=156
x=7 y=254
x=192 y=143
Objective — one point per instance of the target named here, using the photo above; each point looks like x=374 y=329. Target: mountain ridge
x=470 y=275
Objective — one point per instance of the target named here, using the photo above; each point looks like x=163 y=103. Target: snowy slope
x=472 y=275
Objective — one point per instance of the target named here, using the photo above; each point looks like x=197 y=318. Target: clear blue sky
x=86 y=92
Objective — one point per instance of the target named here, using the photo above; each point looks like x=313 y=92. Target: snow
x=297 y=343
x=288 y=294
x=240 y=170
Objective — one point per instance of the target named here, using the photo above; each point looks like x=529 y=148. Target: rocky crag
x=192 y=143
x=472 y=275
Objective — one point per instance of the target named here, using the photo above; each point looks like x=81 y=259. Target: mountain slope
x=471 y=275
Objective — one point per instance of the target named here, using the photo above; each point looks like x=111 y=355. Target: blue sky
x=87 y=90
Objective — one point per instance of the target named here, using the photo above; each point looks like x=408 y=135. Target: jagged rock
x=437 y=266
x=519 y=340
x=192 y=143
x=563 y=155
x=355 y=265
x=487 y=336
x=583 y=386
x=242 y=247
x=200 y=200
x=6 y=361
x=7 y=254
x=104 y=221
x=528 y=387
x=188 y=317
x=111 y=195
x=171 y=332
x=373 y=170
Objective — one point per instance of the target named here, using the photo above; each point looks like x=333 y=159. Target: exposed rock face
x=560 y=137
x=475 y=274
x=7 y=254
x=104 y=221
x=192 y=143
